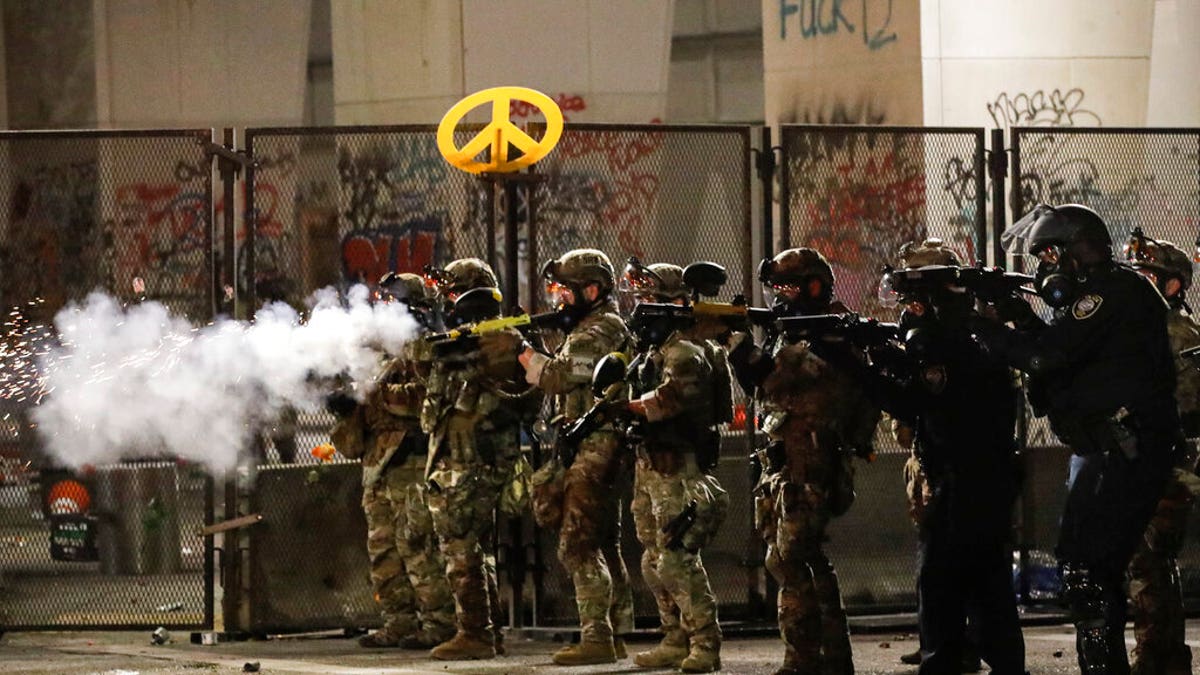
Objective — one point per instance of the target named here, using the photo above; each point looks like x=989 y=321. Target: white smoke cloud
x=136 y=381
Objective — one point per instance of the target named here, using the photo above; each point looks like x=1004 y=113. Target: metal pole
x=998 y=172
x=766 y=176
x=229 y=256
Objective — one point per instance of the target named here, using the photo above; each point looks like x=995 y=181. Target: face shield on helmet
x=804 y=291
x=638 y=284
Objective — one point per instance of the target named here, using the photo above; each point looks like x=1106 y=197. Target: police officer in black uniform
x=1103 y=371
x=962 y=403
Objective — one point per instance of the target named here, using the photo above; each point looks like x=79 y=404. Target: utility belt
x=1098 y=433
x=702 y=445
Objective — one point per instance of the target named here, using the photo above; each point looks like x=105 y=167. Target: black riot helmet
x=1068 y=241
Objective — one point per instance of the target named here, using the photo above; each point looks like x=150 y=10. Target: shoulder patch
x=934 y=378
x=1086 y=306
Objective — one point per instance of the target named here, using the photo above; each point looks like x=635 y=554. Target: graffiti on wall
x=1042 y=109
x=814 y=19
x=567 y=103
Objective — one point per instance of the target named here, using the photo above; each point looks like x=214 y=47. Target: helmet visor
x=1015 y=239
x=889 y=297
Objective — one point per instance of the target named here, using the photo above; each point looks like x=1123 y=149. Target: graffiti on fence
x=390 y=181
x=160 y=234
x=52 y=236
x=407 y=247
x=817 y=18
x=961 y=183
x=1158 y=192
x=1041 y=109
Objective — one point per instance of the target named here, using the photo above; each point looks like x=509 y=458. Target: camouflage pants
x=812 y=621
x=1156 y=599
x=464 y=516
x=687 y=608
x=407 y=572
x=589 y=543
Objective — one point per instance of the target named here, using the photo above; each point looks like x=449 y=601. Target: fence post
x=997 y=172
x=765 y=164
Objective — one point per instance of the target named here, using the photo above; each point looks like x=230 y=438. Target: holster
x=1096 y=434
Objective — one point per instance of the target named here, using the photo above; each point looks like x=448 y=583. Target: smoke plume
x=136 y=381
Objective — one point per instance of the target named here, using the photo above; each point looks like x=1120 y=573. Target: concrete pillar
x=1003 y=63
x=170 y=63
x=407 y=62
x=1174 y=86
x=842 y=62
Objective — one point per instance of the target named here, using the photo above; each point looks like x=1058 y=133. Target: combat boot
x=498 y=641
x=701 y=659
x=380 y=639
x=619 y=648
x=463 y=647
x=586 y=654
x=665 y=655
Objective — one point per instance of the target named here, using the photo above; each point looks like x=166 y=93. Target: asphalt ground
x=1050 y=649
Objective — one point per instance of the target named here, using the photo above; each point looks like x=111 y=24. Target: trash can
x=138 y=516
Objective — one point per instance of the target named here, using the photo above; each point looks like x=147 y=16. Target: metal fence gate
x=129 y=213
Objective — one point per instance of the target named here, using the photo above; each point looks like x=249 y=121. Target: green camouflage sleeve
x=1184 y=333
x=571 y=368
x=686 y=382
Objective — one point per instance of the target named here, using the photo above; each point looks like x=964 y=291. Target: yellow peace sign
x=500 y=132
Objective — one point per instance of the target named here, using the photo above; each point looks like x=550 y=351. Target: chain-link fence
x=130 y=214
x=1147 y=178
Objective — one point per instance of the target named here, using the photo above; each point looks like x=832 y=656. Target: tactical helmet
x=461 y=276
x=1066 y=225
x=1164 y=259
x=932 y=251
x=403 y=287
x=574 y=271
x=802 y=272
x=581 y=267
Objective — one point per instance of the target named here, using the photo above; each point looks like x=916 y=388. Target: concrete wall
x=840 y=62
x=409 y=61
x=169 y=63
x=1174 y=59
x=716 y=62
x=1001 y=63
x=49 y=57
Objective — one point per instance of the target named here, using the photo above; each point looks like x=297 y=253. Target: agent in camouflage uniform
x=1156 y=600
x=813 y=416
x=473 y=447
x=677 y=392
x=581 y=283
x=407 y=571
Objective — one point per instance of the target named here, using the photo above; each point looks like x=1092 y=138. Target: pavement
x=1050 y=650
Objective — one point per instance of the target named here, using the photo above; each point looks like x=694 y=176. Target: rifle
x=678 y=526
x=653 y=322
x=478 y=313
x=861 y=331
x=1192 y=354
x=987 y=283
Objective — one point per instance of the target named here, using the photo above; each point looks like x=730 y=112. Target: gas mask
x=1055 y=279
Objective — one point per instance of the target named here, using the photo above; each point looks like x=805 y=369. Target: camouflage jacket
x=472 y=393
x=819 y=413
x=567 y=376
x=389 y=414
x=1184 y=333
x=677 y=384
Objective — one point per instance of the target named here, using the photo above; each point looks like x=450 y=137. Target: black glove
x=1017 y=311
x=341 y=404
